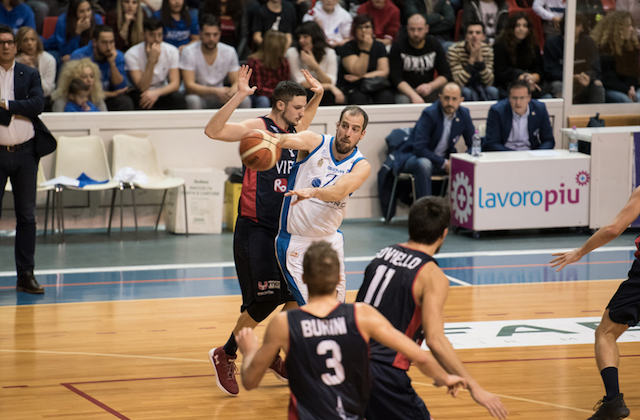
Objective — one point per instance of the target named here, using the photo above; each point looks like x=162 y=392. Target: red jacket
x=385 y=20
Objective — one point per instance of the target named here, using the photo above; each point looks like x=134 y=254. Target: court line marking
x=458 y=281
x=77 y=353
x=230 y=264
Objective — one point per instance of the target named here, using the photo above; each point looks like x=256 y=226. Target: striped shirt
x=462 y=71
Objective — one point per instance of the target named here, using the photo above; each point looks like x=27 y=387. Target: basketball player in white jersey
x=329 y=169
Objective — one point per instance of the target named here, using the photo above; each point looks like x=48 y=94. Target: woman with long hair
x=312 y=52
x=179 y=25
x=364 y=66
x=86 y=70
x=126 y=21
x=231 y=15
x=517 y=56
x=269 y=67
x=617 y=40
x=73 y=29
x=31 y=52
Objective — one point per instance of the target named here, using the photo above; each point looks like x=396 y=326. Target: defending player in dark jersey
x=261 y=282
x=406 y=285
x=622 y=312
x=327 y=347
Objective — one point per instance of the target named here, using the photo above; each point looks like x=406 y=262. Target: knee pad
x=259 y=311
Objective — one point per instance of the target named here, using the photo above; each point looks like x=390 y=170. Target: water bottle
x=573 y=140
x=476 y=145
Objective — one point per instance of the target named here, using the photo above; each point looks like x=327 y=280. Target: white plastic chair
x=138 y=152
x=40 y=180
x=77 y=155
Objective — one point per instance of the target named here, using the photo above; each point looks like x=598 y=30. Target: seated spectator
x=269 y=67
x=386 y=19
x=633 y=7
x=492 y=13
x=16 y=14
x=89 y=73
x=102 y=51
x=301 y=7
x=154 y=70
x=180 y=27
x=587 y=87
x=334 y=20
x=78 y=99
x=517 y=56
x=276 y=15
x=433 y=139
x=29 y=51
x=551 y=12
x=206 y=64
x=364 y=66
x=231 y=15
x=471 y=63
x=414 y=60
x=593 y=10
x=73 y=29
x=126 y=21
x=617 y=41
x=311 y=52
x=518 y=122
x=438 y=14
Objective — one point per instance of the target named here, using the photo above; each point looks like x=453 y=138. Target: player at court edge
x=622 y=312
x=327 y=346
x=263 y=288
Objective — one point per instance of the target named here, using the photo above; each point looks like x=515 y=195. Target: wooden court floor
x=147 y=359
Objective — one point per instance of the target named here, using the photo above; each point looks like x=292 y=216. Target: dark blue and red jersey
x=328 y=365
x=388 y=286
x=263 y=191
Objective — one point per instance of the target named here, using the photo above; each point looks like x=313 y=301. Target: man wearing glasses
x=518 y=122
x=24 y=139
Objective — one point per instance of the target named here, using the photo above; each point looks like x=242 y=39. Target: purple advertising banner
x=462 y=187
x=636 y=148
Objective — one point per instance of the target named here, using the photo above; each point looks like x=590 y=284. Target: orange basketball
x=259 y=150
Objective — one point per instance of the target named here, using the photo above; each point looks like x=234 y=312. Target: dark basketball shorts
x=256 y=264
x=624 y=307
x=392 y=396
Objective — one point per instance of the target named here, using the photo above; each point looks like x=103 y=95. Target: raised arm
x=604 y=235
x=432 y=289
x=375 y=325
x=345 y=185
x=312 y=106
x=256 y=360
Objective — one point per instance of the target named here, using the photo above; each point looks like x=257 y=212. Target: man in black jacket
x=23 y=140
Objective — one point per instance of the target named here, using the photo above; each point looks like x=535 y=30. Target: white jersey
x=314 y=217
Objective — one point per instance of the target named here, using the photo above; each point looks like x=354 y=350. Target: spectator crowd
x=176 y=54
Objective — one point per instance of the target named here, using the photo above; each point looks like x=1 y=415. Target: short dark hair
x=361 y=20
x=100 y=29
x=151 y=24
x=286 y=90
x=76 y=86
x=428 y=218
x=355 y=110
x=321 y=267
x=518 y=83
x=473 y=23
x=4 y=29
x=209 y=20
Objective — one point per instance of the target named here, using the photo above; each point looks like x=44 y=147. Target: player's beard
x=344 y=147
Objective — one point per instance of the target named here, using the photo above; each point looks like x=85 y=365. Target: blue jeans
x=490 y=93
x=614 y=96
x=260 y=101
x=422 y=169
x=21 y=167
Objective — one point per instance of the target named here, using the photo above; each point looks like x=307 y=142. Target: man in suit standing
x=518 y=122
x=433 y=139
x=23 y=140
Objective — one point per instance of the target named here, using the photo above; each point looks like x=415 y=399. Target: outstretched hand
x=302 y=194
x=491 y=402
x=563 y=259
x=244 y=77
x=316 y=86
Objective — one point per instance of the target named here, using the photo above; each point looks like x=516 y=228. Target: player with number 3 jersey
x=327 y=347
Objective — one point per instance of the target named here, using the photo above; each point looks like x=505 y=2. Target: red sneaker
x=278 y=369
x=225 y=367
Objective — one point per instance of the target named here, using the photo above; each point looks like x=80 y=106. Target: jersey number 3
x=333 y=362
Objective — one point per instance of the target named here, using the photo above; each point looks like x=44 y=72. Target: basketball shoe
x=615 y=409
x=278 y=369
x=225 y=367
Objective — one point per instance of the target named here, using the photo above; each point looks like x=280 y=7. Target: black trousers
x=21 y=167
